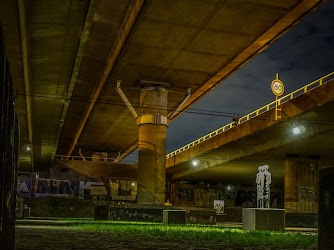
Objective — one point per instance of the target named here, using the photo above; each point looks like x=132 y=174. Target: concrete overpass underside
x=66 y=57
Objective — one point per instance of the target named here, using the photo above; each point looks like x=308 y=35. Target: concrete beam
x=80 y=53
x=100 y=170
x=128 y=22
x=25 y=44
x=133 y=147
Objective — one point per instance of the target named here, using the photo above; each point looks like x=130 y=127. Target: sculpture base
x=263 y=219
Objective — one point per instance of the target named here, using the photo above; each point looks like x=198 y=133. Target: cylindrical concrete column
x=290 y=187
x=301 y=191
x=152 y=123
x=326 y=208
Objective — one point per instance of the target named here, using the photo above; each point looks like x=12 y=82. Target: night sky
x=302 y=55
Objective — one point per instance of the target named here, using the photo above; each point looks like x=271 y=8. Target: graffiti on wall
x=51 y=187
x=305 y=193
x=245 y=198
x=186 y=195
x=23 y=186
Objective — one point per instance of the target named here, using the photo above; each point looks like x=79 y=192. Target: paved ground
x=47 y=235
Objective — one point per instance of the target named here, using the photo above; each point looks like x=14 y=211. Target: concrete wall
x=60 y=207
x=9 y=141
x=203 y=195
x=152 y=213
x=235 y=198
x=198 y=195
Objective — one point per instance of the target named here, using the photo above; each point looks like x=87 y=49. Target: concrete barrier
x=263 y=219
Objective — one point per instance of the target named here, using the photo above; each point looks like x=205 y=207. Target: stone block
x=26 y=212
x=263 y=219
x=174 y=217
x=102 y=212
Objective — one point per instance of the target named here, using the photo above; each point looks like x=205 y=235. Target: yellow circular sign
x=277 y=87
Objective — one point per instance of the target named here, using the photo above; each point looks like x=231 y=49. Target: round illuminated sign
x=277 y=87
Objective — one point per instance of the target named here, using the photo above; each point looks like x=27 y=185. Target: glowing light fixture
x=195 y=163
x=28 y=148
x=296 y=130
x=228 y=188
x=132 y=184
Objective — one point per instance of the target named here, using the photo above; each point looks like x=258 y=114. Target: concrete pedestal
x=263 y=219
x=174 y=217
x=26 y=212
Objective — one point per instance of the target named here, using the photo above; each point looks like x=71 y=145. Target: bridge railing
x=79 y=158
x=255 y=113
x=94 y=159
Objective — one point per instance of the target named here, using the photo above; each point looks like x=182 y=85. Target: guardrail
x=96 y=159
x=255 y=113
x=66 y=157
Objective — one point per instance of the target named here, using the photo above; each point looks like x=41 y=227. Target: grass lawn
x=201 y=233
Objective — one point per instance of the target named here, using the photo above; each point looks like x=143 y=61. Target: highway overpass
x=233 y=153
x=66 y=57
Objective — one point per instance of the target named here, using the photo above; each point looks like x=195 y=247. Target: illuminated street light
x=296 y=130
x=195 y=163
x=228 y=188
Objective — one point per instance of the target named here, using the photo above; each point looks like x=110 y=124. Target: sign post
x=277 y=87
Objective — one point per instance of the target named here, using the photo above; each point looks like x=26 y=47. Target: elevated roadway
x=232 y=154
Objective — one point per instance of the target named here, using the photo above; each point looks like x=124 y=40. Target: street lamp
x=195 y=163
x=296 y=130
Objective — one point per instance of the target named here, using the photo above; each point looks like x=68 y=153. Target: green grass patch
x=190 y=232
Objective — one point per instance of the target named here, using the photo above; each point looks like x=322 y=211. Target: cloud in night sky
x=302 y=55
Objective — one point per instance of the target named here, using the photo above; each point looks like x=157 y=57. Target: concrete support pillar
x=301 y=191
x=326 y=208
x=152 y=123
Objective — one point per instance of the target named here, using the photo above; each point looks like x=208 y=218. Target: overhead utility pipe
x=181 y=104
x=125 y=99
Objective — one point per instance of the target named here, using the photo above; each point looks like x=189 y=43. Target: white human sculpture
x=263 y=181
